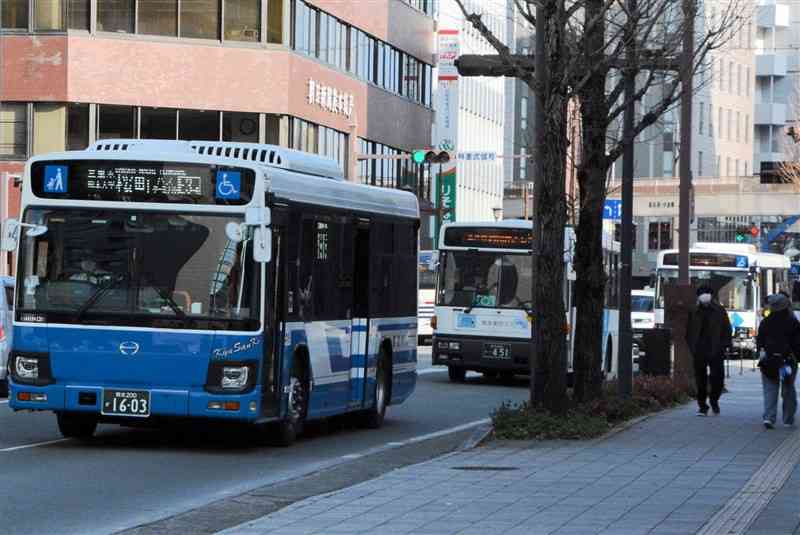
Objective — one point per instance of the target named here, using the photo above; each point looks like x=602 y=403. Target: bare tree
x=587 y=43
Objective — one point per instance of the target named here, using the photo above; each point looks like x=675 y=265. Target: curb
x=478 y=437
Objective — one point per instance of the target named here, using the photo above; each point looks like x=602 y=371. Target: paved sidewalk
x=669 y=474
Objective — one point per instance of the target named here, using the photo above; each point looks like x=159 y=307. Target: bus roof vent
x=140 y=145
x=271 y=155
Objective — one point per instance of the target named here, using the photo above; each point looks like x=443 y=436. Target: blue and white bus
x=427 y=296
x=227 y=281
x=483 y=302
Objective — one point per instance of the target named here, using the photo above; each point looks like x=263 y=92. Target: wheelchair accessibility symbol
x=229 y=184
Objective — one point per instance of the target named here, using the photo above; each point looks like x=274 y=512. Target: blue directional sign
x=741 y=261
x=612 y=209
x=55 y=179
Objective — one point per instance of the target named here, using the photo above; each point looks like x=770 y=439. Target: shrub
x=522 y=422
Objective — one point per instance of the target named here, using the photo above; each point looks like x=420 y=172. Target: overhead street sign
x=612 y=209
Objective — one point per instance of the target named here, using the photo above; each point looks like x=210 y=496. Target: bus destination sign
x=137 y=181
x=492 y=238
x=701 y=260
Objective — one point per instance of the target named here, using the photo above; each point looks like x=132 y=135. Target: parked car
x=643 y=314
x=6 y=330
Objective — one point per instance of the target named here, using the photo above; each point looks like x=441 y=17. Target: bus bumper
x=476 y=353
x=163 y=402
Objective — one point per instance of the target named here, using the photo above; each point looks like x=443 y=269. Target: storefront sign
x=447 y=124
x=330 y=99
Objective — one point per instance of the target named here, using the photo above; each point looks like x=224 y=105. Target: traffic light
x=741 y=235
x=754 y=231
x=430 y=156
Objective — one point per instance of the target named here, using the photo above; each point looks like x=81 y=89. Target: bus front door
x=360 y=321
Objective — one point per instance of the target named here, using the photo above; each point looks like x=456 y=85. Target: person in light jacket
x=778 y=342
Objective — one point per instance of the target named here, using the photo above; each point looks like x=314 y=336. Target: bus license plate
x=496 y=351
x=126 y=403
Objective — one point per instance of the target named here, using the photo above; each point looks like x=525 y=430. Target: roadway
x=127 y=477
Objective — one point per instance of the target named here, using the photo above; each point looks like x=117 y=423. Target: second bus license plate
x=496 y=351
x=126 y=403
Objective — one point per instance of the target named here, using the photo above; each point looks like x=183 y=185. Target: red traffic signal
x=754 y=231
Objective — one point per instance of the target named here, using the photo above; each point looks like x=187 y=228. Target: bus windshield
x=734 y=289
x=137 y=269
x=641 y=303
x=482 y=279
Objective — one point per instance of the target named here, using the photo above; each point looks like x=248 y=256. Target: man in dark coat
x=778 y=342
x=708 y=334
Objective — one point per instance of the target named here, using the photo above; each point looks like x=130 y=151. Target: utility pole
x=537 y=378
x=625 y=352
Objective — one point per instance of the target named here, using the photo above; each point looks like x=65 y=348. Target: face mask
x=704 y=299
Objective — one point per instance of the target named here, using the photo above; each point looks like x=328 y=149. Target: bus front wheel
x=73 y=425
x=457 y=374
x=288 y=429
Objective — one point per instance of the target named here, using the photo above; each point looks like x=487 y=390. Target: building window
x=659 y=236
x=736 y=167
x=721 y=74
x=700 y=163
x=702 y=120
x=158 y=123
x=200 y=19
x=730 y=77
x=738 y=79
x=158 y=17
x=49 y=127
x=77 y=126
x=747 y=128
x=78 y=15
x=115 y=16
x=240 y=127
x=49 y=15
x=316 y=139
x=14 y=14
x=13 y=131
x=747 y=82
x=275 y=21
x=721 y=119
x=729 y=126
x=243 y=20
x=523 y=166
x=198 y=125
x=728 y=166
x=116 y=122
x=711 y=121
x=738 y=116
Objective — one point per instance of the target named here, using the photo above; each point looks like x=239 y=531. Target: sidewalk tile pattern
x=664 y=476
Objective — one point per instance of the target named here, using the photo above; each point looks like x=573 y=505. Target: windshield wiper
x=89 y=303
x=180 y=314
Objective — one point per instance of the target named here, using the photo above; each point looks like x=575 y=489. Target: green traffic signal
x=419 y=156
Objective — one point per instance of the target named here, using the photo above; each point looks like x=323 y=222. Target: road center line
x=34 y=445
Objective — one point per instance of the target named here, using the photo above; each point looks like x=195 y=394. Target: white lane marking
x=34 y=445
x=2 y=401
x=426 y=371
x=414 y=440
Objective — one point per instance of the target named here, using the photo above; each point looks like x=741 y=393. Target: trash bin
x=657 y=348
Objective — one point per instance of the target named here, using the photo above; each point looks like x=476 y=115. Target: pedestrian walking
x=708 y=335
x=778 y=343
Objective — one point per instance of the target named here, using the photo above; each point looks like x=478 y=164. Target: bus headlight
x=27 y=368
x=235 y=377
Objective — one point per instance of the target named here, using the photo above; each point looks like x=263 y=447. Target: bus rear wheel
x=457 y=374
x=373 y=417
x=75 y=425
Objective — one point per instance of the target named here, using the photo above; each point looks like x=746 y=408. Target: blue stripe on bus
x=397 y=326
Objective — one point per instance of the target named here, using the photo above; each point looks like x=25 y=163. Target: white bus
x=162 y=280
x=742 y=277
x=426 y=296
x=483 y=301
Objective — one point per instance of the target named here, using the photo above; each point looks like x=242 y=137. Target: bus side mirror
x=10 y=235
x=262 y=245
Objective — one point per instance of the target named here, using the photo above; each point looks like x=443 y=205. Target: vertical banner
x=446 y=123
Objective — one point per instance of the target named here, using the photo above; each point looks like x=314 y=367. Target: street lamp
x=498 y=213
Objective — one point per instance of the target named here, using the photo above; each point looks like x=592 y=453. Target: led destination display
x=128 y=181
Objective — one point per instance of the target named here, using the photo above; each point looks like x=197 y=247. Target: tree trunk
x=590 y=285
x=548 y=325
